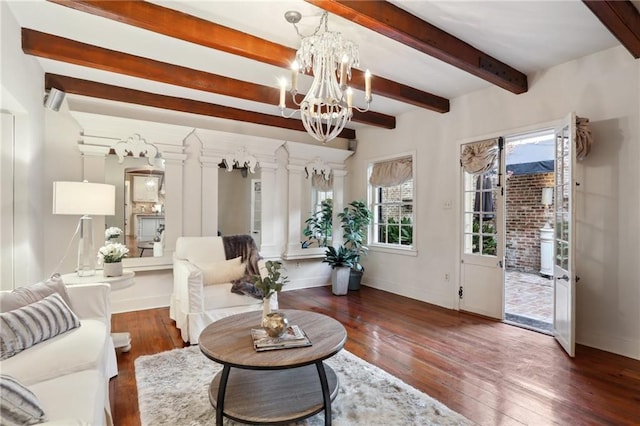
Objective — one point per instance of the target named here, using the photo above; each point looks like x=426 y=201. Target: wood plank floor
x=493 y=373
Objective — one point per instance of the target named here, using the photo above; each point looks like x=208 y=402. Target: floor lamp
x=85 y=199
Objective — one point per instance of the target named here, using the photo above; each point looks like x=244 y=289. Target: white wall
x=605 y=87
x=22 y=82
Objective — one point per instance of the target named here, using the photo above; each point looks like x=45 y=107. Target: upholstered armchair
x=205 y=269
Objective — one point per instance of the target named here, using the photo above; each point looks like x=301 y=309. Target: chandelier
x=328 y=105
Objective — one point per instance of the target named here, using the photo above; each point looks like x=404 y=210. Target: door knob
x=564 y=277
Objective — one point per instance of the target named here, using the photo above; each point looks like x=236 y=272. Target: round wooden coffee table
x=275 y=386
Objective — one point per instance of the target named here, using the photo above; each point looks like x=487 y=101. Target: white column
x=269 y=247
x=295 y=201
x=174 y=201
x=338 y=204
x=209 y=197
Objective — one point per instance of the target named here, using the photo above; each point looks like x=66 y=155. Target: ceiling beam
x=71 y=51
x=622 y=19
x=76 y=86
x=401 y=26
x=189 y=28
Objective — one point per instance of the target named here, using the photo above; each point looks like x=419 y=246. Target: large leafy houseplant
x=354 y=220
x=273 y=282
x=342 y=257
x=320 y=225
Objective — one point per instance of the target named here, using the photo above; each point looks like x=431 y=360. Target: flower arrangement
x=112 y=253
x=274 y=280
x=112 y=233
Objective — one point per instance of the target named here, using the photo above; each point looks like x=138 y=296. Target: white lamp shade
x=547 y=196
x=84 y=198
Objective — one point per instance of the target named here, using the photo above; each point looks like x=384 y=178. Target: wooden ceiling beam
x=71 y=51
x=399 y=25
x=622 y=19
x=189 y=28
x=93 y=89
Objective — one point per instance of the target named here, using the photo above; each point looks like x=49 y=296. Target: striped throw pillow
x=18 y=405
x=24 y=327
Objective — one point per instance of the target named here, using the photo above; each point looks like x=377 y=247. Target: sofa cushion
x=23 y=296
x=18 y=405
x=29 y=325
x=80 y=349
x=71 y=399
x=221 y=272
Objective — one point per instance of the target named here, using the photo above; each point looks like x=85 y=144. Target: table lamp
x=85 y=199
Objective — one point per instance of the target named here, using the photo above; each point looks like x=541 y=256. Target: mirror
x=140 y=203
x=240 y=202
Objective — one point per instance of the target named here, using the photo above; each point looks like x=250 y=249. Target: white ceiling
x=527 y=35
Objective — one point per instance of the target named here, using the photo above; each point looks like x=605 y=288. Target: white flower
x=112 y=253
x=113 y=232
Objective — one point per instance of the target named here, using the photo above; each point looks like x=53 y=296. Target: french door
x=564 y=236
x=481 y=271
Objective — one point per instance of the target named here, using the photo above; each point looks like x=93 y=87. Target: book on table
x=293 y=337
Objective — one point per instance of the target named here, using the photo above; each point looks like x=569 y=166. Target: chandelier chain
x=324 y=18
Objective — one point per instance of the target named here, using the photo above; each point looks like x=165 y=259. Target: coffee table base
x=274 y=396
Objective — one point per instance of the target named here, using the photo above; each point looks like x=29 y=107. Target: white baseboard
x=140 y=303
x=617 y=345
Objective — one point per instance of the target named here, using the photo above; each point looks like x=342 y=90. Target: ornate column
x=338 y=204
x=269 y=247
x=296 y=173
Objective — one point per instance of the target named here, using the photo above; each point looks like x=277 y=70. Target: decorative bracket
x=240 y=158
x=136 y=146
x=319 y=167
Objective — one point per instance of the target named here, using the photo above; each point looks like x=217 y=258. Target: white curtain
x=584 y=138
x=479 y=157
x=391 y=173
x=319 y=182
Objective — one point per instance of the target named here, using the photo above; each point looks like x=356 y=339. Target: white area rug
x=173 y=390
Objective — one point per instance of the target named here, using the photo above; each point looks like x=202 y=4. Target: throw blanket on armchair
x=244 y=246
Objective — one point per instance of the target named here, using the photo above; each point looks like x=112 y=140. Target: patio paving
x=529 y=299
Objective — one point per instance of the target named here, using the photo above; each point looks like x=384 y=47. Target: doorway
x=529 y=183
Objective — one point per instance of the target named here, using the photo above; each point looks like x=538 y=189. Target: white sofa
x=69 y=373
x=195 y=304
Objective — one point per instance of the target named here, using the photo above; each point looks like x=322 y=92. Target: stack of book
x=293 y=337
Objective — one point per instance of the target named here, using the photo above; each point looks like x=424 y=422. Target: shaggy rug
x=173 y=390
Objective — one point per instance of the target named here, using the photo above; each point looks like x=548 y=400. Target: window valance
x=391 y=173
x=479 y=157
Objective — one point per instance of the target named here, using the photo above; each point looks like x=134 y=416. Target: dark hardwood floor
x=493 y=373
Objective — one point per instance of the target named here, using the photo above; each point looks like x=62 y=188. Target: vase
x=266 y=310
x=112 y=269
x=275 y=324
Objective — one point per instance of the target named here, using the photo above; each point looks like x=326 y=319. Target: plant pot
x=112 y=269
x=355 y=277
x=340 y=280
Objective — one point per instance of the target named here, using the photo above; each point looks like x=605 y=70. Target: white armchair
x=202 y=277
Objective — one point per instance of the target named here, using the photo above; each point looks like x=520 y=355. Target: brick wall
x=524 y=218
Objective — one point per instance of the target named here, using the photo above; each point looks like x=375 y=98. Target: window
x=392 y=199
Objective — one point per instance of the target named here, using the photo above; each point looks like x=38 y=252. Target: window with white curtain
x=392 y=199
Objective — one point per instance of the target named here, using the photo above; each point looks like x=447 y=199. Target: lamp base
x=86 y=252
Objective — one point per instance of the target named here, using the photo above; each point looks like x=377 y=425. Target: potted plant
x=341 y=261
x=111 y=255
x=269 y=285
x=354 y=220
x=320 y=225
